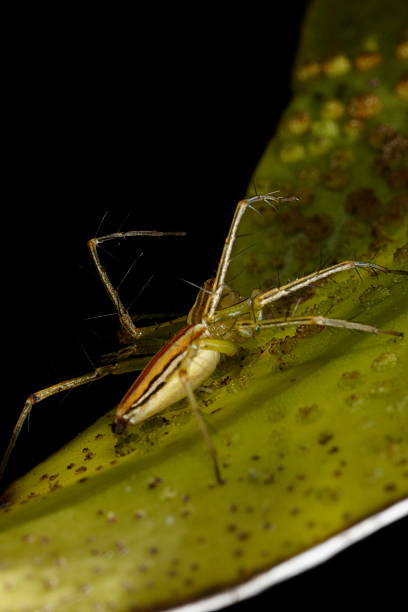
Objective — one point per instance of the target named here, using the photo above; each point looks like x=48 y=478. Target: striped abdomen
x=159 y=385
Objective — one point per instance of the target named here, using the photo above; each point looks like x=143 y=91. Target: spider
x=218 y=320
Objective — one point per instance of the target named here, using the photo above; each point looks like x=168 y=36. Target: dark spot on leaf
x=401 y=255
x=324 y=437
x=243 y=535
x=308 y=414
x=350 y=380
x=364 y=204
x=154 y=482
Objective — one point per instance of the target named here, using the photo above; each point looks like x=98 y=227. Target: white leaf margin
x=299 y=564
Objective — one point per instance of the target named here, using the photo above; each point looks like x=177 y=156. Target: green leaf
x=311 y=425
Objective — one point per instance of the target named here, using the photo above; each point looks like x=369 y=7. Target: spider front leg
x=219 y=282
x=273 y=295
x=124 y=317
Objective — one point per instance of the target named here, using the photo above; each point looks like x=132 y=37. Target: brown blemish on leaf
x=398 y=178
x=277 y=413
x=401 y=255
x=154 y=482
x=402 y=50
x=354 y=401
x=336 y=178
x=285 y=346
x=396 y=208
x=368 y=60
x=305 y=331
x=374 y=295
x=364 y=204
x=299 y=123
x=324 y=437
x=381 y=135
x=315 y=227
x=308 y=414
x=364 y=106
x=333 y=450
x=385 y=360
x=391 y=161
x=354 y=128
x=384 y=387
x=80 y=469
x=401 y=88
x=350 y=380
x=342 y=158
x=309 y=175
x=327 y=495
x=309 y=70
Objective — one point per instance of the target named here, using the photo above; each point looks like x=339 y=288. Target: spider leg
x=124 y=317
x=47 y=392
x=220 y=346
x=248 y=327
x=219 y=282
x=272 y=295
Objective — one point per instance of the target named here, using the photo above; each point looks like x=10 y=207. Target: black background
x=172 y=142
